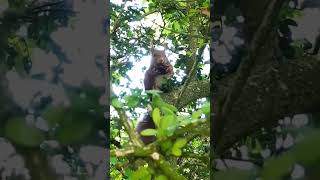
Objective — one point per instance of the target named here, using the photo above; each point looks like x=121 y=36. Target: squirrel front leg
x=152 y=75
x=150 y=78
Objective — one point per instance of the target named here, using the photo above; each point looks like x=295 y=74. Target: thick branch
x=274 y=91
x=195 y=90
x=259 y=45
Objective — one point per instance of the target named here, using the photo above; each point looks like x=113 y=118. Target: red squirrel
x=159 y=68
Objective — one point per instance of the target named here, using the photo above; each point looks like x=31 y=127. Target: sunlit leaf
x=149 y=132
x=116 y=103
x=167 y=111
x=197 y=114
x=132 y=101
x=166 y=122
x=176 y=151
x=169 y=106
x=206 y=108
x=180 y=142
x=184 y=120
x=141 y=174
x=156 y=116
x=161 y=177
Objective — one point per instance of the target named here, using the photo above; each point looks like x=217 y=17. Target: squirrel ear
x=152 y=46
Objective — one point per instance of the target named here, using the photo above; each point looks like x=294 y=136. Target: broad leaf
x=23 y=134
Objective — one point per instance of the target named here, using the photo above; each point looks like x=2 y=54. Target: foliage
x=280 y=167
x=184 y=30
x=170 y=140
x=25 y=25
x=38 y=20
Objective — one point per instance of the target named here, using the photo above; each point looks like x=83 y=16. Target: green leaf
x=258 y=147
x=193 y=11
x=23 y=134
x=176 y=26
x=197 y=114
x=154 y=92
x=167 y=121
x=276 y=168
x=176 y=148
x=116 y=103
x=310 y=144
x=184 y=119
x=132 y=101
x=161 y=133
x=54 y=115
x=206 y=108
x=127 y=172
x=141 y=174
x=161 y=177
x=200 y=42
x=74 y=129
x=156 y=101
x=169 y=106
x=156 y=116
x=149 y=132
x=176 y=151
x=166 y=145
x=180 y=142
x=232 y=174
x=167 y=111
x=305 y=152
x=113 y=160
x=166 y=31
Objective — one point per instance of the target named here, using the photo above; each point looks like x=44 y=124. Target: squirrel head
x=160 y=61
x=159 y=57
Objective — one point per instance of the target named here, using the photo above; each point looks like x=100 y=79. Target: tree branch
x=224 y=105
x=273 y=92
x=195 y=90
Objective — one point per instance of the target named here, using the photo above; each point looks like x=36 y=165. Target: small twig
x=49 y=4
x=133 y=136
x=124 y=120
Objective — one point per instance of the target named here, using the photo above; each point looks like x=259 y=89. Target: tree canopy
x=182 y=27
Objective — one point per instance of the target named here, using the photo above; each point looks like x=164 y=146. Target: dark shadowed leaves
x=23 y=134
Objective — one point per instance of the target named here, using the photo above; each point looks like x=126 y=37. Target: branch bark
x=195 y=90
x=259 y=44
x=274 y=91
x=264 y=89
